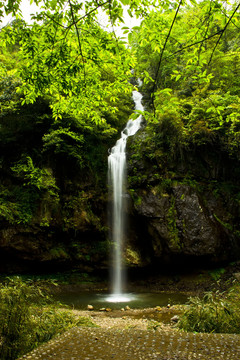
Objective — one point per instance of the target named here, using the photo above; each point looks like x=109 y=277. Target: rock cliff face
x=174 y=219
x=184 y=204
x=82 y=244
x=52 y=199
x=183 y=219
x=182 y=224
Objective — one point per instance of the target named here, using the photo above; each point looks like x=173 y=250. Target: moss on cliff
x=53 y=194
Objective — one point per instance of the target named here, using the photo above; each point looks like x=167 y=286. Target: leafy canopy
x=66 y=56
x=189 y=60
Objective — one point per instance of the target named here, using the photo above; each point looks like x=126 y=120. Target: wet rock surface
x=185 y=223
x=124 y=344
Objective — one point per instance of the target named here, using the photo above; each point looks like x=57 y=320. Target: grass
x=29 y=317
x=216 y=312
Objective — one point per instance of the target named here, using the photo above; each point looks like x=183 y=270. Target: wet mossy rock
x=181 y=222
x=183 y=212
x=184 y=204
x=52 y=205
x=36 y=248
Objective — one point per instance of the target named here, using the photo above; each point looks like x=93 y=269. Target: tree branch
x=197 y=42
x=87 y=14
x=79 y=42
x=55 y=21
x=224 y=29
x=161 y=55
x=206 y=30
x=75 y=21
x=113 y=30
x=224 y=13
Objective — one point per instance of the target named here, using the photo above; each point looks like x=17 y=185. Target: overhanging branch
x=196 y=43
x=224 y=29
x=79 y=41
x=163 y=49
x=74 y=22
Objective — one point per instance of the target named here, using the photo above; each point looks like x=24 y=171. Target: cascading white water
x=117 y=182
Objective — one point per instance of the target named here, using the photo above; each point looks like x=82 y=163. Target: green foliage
x=217 y=273
x=8 y=208
x=77 y=212
x=15 y=299
x=8 y=96
x=18 y=204
x=82 y=76
x=194 y=98
x=64 y=141
x=52 y=321
x=35 y=177
x=62 y=113
x=89 y=251
x=136 y=198
x=27 y=321
x=199 y=120
x=215 y=312
x=58 y=253
x=224 y=224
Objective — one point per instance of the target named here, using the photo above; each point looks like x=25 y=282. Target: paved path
x=133 y=344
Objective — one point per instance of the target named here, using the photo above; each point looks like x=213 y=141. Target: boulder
x=184 y=222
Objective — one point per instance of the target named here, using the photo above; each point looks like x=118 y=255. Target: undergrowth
x=216 y=312
x=28 y=317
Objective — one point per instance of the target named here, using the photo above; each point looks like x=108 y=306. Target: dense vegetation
x=192 y=78
x=189 y=60
x=65 y=94
x=214 y=312
x=63 y=99
x=29 y=317
x=63 y=132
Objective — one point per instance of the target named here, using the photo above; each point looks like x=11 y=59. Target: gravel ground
x=134 y=334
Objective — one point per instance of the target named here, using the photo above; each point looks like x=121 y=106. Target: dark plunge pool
x=80 y=300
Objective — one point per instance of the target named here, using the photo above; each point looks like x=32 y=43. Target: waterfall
x=117 y=186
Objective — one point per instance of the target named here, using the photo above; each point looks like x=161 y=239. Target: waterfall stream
x=117 y=186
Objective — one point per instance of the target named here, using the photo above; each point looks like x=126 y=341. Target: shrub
x=16 y=326
x=49 y=322
x=28 y=318
x=215 y=312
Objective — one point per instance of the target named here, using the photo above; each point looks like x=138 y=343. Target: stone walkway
x=134 y=344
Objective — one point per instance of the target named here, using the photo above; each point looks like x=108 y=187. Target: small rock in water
x=90 y=307
x=102 y=309
x=127 y=307
x=122 y=309
x=158 y=308
x=175 y=318
x=168 y=306
x=108 y=309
